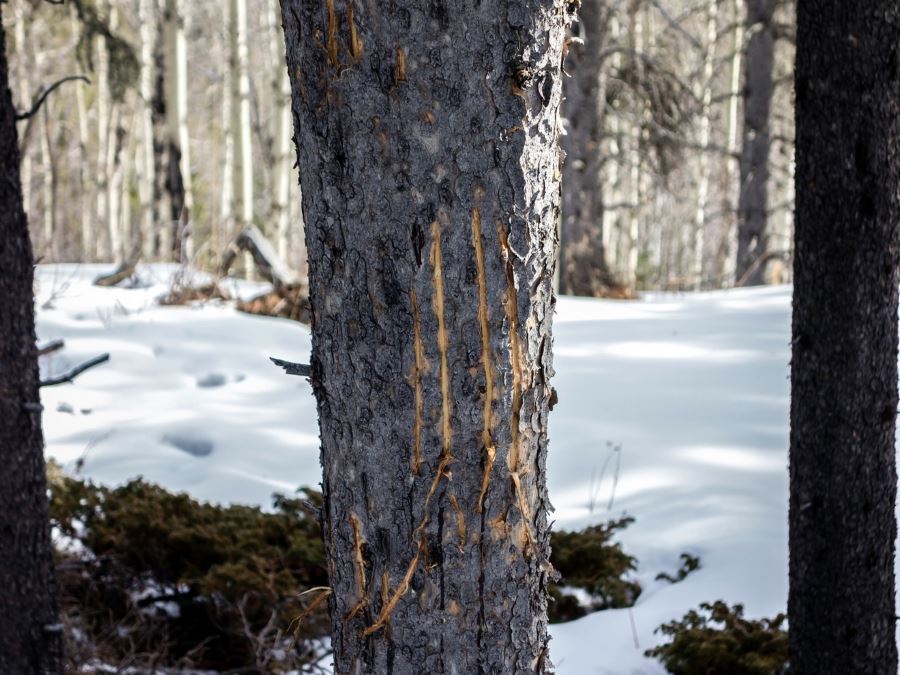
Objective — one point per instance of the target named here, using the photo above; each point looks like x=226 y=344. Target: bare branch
x=42 y=95
x=75 y=372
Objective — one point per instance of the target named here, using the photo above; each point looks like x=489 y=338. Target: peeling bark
x=427 y=145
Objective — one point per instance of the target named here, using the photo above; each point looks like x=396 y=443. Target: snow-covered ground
x=673 y=409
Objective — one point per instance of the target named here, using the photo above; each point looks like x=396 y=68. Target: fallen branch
x=125 y=270
x=301 y=369
x=70 y=375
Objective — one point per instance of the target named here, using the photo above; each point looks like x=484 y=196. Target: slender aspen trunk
x=629 y=240
x=281 y=89
x=753 y=204
x=229 y=101
x=427 y=146
x=147 y=185
x=843 y=526
x=98 y=248
x=705 y=161
x=245 y=129
x=184 y=242
x=30 y=632
x=48 y=175
x=731 y=190
x=22 y=40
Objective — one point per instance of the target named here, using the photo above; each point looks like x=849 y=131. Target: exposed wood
x=266 y=259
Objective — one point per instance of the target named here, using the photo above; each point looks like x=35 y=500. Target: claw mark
x=356 y=44
x=486 y=439
x=419 y=351
x=460 y=522
x=400 y=68
x=359 y=565
x=446 y=433
x=443 y=342
x=332 y=41
x=512 y=315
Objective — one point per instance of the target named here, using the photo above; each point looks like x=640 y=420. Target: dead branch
x=70 y=375
x=290 y=368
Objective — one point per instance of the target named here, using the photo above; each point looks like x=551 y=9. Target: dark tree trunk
x=753 y=238
x=844 y=366
x=427 y=141
x=583 y=268
x=30 y=634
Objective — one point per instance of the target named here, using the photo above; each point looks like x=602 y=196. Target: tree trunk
x=583 y=267
x=229 y=100
x=147 y=186
x=179 y=136
x=705 y=96
x=844 y=365
x=727 y=264
x=22 y=38
x=281 y=88
x=245 y=127
x=98 y=247
x=30 y=633
x=753 y=202
x=427 y=146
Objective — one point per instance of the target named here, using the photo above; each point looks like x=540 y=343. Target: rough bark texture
x=427 y=143
x=753 y=238
x=844 y=367
x=583 y=266
x=30 y=636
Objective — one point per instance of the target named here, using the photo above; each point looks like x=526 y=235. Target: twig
x=42 y=96
x=301 y=369
x=75 y=372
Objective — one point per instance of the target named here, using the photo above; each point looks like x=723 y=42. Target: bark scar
x=446 y=434
x=419 y=368
x=486 y=439
x=359 y=565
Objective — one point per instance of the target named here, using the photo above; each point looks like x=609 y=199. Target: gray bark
x=427 y=145
x=30 y=634
x=583 y=265
x=844 y=365
x=753 y=237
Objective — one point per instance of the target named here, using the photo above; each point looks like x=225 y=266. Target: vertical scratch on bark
x=460 y=522
x=359 y=565
x=442 y=340
x=419 y=368
x=446 y=434
x=512 y=315
x=331 y=39
x=400 y=67
x=356 y=44
x=486 y=363
x=514 y=458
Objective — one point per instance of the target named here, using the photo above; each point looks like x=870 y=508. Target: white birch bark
x=147 y=19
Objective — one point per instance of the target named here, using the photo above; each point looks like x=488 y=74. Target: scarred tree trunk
x=583 y=265
x=30 y=635
x=427 y=144
x=753 y=202
x=844 y=366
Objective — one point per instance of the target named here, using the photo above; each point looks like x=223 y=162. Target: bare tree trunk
x=246 y=129
x=712 y=35
x=583 y=268
x=98 y=247
x=728 y=264
x=30 y=633
x=48 y=171
x=843 y=525
x=184 y=244
x=281 y=87
x=753 y=204
x=431 y=204
x=147 y=186
x=229 y=99
x=629 y=240
x=22 y=40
